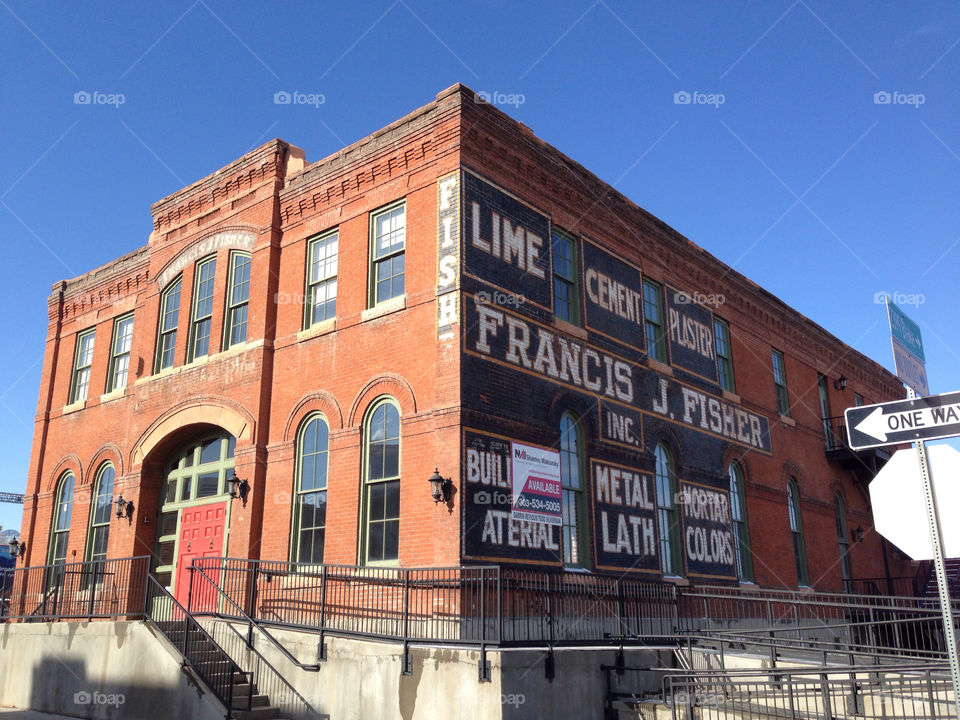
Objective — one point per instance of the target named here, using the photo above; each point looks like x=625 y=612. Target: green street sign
x=905 y=331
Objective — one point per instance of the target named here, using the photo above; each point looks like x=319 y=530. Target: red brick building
x=453 y=293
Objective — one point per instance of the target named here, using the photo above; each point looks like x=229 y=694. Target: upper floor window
x=796 y=532
x=668 y=522
x=381 y=491
x=389 y=230
x=566 y=301
x=202 y=309
x=843 y=540
x=741 y=532
x=83 y=359
x=573 y=502
x=721 y=334
x=120 y=353
x=310 y=503
x=857 y=400
x=322 y=278
x=169 y=315
x=62 y=510
x=653 y=320
x=238 y=299
x=780 y=382
x=100 y=514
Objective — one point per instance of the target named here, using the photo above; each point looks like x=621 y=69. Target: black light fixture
x=124 y=508
x=857 y=535
x=238 y=488
x=440 y=486
x=840 y=383
x=17 y=549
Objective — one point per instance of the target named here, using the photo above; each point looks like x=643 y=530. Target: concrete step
x=260 y=713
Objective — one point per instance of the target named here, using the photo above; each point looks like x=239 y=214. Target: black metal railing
x=901 y=586
x=835 y=429
x=241 y=645
x=231 y=685
x=476 y=605
x=96 y=589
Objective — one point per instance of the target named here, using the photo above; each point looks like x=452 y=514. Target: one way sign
x=904 y=421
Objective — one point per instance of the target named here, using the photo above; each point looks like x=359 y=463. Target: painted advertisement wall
x=521 y=370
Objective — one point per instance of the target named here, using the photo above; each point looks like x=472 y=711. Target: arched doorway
x=193 y=515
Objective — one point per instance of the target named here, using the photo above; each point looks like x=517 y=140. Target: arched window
x=738 y=513
x=100 y=513
x=573 y=501
x=796 y=531
x=381 y=483
x=741 y=532
x=668 y=523
x=310 y=487
x=843 y=539
x=169 y=315
x=62 y=509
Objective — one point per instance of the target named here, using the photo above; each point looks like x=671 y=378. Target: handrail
x=251 y=623
x=266 y=662
x=190 y=624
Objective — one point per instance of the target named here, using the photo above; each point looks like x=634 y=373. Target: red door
x=201 y=535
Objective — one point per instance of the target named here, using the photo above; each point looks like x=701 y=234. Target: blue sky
x=785 y=163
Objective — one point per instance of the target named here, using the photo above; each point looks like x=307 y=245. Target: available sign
x=903 y=421
x=536 y=484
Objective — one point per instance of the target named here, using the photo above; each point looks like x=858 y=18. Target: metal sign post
x=946 y=609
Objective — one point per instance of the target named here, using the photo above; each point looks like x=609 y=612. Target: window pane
x=185 y=488
x=171 y=492
x=168 y=524
x=208 y=484
x=390 y=229
x=210 y=451
x=377 y=494
x=165 y=551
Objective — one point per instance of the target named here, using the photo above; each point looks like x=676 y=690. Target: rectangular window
x=780 y=381
x=322 y=279
x=389 y=240
x=566 y=301
x=169 y=315
x=120 y=353
x=857 y=400
x=653 y=312
x=202 y=309
x=721 y=334
x=238 y=299
x=81 y=367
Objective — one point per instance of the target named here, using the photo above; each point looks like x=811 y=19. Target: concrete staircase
x=210 y=661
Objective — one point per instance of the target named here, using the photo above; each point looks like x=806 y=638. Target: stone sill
x=732 y=397
x=570 y=329
x=788 y=421
x=113 y=395
x=385 y=308
x=73 y=407
x=321 y=328
x=659 y=367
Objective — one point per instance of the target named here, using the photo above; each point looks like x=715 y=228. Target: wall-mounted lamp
x=857 y=535
x=17 y=549
x=840 y=383
x=440 y=487
x=124 y=509
x=238 y=488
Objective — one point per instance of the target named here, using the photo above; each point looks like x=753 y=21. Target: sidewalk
x=16 y=714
